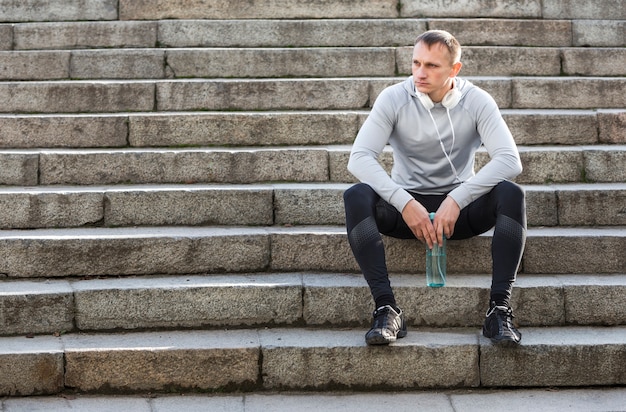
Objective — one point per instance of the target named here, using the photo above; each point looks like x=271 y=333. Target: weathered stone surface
x=50 y=208
x=19 y=168
x=612 y=124
x=583 y=294
x=298 y=359
x=605 y=164
x=162 y=361
x=557 y=357
x=593 y=205
x=53 y=131
x=537 y=301
x=550 y=165
x=6 y=37
x=84 y=35
x=36 y=10
x=232 y=205
x=36 y=307
x=240 y=129
x=598 y=33
x=581 y=9
x=118 y=64
x=31 y=366
x=257 y=9
x=188 y=301
x=472 y=8
x=575 y=250
x=133 y=251
x=283 y=62
x=40 y=65
x=75 y=97
x=309 y=204
x=566 y=127
x=594 y=62
x=507 y=32
x=572 y=92
x=183 y=166
x=261 y=94
x=377 y=32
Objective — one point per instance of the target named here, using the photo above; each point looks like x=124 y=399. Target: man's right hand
x=416 y=217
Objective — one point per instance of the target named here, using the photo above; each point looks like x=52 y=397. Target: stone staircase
x=172 y=218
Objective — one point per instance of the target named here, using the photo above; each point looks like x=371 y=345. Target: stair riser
x=307 y=33
x=274 y=129
x=603 y=164
x=299 y=359
x=198 y=302
x=199 y=251
x=283 y=94
x=337 y=62
x=267 y=205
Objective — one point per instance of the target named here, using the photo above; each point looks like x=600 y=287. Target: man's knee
x=510 y=192
x=357 y=193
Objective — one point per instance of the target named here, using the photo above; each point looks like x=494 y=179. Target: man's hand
x=416 y=217
x=445 y=219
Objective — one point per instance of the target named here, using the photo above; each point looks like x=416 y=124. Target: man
x=435 y=122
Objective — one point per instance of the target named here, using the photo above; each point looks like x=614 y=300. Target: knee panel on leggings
x=363 y=233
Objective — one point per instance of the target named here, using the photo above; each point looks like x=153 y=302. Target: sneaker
x=387 y=326
x=499 y=326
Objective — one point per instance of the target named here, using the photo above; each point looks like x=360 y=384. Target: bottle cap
x=432 y=215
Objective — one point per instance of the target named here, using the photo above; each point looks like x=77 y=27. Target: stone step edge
x=295 y=359
x=606 y=398
x=44 y=306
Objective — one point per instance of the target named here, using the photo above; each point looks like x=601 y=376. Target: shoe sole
x=381 y=340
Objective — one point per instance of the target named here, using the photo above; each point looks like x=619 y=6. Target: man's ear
x=456 y=68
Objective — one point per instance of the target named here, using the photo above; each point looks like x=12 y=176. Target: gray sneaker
x=499 y=326
x=387 y=326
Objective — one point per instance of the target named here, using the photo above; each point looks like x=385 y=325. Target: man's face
x=433 y=70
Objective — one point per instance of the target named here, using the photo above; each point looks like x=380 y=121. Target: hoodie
x=420 y=164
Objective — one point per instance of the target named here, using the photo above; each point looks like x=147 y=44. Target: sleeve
x=504 y=163
x=367 y=147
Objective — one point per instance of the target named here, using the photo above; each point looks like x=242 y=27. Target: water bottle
x=436 y=263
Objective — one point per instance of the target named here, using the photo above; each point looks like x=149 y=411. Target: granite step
x=201 y=250
x=244 y=165
x=373 y=32
x=328 y=300
x=529 y=127
x=86 y=96
x=598 y=204
x=298 y=62
x=297 y=359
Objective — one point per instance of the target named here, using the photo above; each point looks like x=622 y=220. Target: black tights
x=367 y=216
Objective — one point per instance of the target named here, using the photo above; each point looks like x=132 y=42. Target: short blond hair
x=444 y=38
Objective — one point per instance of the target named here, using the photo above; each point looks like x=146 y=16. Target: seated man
x=435 y=122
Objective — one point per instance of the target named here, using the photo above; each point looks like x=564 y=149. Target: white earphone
x=450 y=100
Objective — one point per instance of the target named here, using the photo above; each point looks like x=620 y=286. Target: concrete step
x=298 y=62
x=264 y=205
x=192 y=250
x=297 y=359
x=595 y=399
x=287 y=94
x=244 y=165
x=529 y=127
x=374 y=32
x=31 y=307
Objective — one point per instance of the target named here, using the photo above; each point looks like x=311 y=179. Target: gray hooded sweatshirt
x=420 y=164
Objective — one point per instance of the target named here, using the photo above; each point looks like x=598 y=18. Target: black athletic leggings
x=504 y=208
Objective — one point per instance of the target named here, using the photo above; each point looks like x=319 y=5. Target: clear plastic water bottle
x=436 y=263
